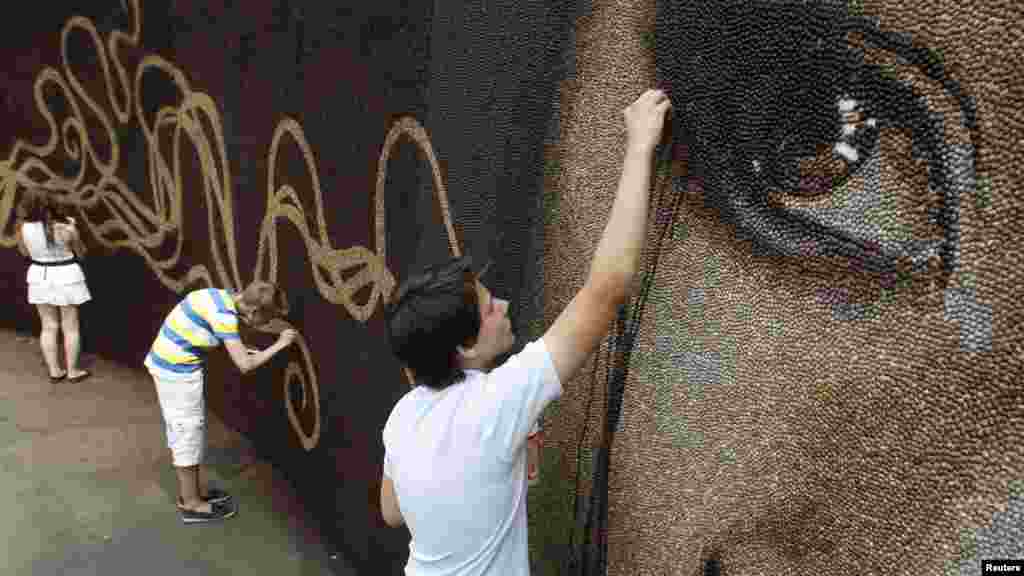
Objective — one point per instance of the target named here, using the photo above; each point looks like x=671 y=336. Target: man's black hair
x=430 y=314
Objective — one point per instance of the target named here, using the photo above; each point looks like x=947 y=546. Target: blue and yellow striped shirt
x=202 y=320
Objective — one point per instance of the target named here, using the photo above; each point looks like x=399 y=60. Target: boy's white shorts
x=184 y=409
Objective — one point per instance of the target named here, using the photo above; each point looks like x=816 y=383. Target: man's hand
x=287 y=337
x=645 y=119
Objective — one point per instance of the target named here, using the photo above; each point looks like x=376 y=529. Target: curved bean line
x=131 y=223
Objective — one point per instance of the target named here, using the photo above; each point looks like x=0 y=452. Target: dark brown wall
x=480 y=82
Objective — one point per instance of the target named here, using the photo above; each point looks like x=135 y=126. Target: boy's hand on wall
x=288 y=336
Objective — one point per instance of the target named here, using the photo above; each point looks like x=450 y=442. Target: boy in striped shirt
x=201 y=321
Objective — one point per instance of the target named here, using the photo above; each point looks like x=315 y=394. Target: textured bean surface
x=790 y=410
x=797 y=415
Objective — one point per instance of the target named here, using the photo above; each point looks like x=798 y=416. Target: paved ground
x=86 y=485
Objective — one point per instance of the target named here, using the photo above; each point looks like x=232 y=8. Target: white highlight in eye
x=847 y=105
x=846 y=151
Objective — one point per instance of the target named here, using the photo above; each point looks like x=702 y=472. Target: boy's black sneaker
x=217 y=512
x=214 y=497
x=217 y=496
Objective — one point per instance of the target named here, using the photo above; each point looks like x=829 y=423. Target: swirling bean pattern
x=122 y=217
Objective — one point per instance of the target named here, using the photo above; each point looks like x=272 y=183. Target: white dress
x=49 y=281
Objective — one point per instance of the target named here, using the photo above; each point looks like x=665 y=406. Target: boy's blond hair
x=268 y=300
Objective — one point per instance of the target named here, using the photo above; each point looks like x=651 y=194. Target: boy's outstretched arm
x=246 y=361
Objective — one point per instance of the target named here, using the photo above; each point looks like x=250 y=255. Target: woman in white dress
x=56 y=282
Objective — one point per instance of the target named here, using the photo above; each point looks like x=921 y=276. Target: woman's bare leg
x=72 y=339
x=48 y=337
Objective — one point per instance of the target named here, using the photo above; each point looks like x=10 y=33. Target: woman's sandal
x=55 y=379
x=76 y=379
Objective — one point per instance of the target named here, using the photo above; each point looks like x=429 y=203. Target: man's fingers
x=651 y=96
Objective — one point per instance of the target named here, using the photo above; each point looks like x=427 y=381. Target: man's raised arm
x=578 y=330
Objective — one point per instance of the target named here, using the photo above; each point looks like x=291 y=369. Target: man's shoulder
x=524 y=375
x=408 y=400
x=531 y=357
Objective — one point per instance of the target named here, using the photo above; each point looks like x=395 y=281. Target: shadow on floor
x=86 y=484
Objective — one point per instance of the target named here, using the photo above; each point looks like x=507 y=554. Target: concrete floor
x=87 y=488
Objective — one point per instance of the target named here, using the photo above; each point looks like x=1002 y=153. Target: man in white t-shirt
x=455 y=458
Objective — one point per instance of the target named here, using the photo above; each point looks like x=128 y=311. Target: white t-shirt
x=457 y=459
